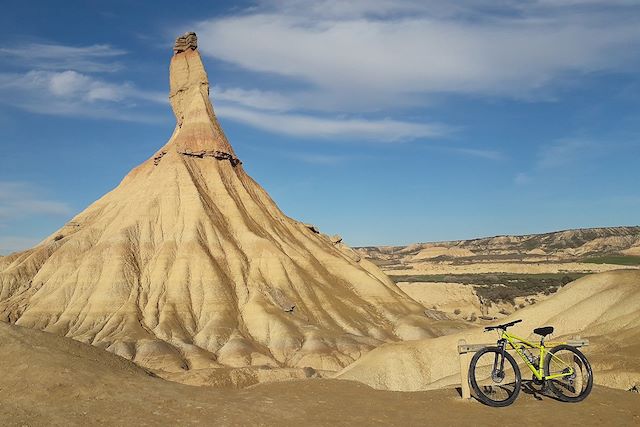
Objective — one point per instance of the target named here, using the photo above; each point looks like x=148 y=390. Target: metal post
x=464 y=371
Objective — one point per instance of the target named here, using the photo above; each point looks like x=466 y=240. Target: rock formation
x=188 y=263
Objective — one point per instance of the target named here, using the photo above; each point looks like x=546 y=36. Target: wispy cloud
x=91 y=59
x=380 y=130
x=70 y=81
x=484 y=154
x=522 y=178
x=565 y=151
x=19 y=199
x=252 y=98
x=70 y=93
x=344 y=49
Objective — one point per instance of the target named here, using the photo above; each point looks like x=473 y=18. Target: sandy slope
x=603 y=307
x=52 y=381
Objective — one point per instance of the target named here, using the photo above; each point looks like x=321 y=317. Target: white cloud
x=94 y=58
x=70 y=93
x=60 y=80
x=384 y=130
x=253 y=98
x=419 y=48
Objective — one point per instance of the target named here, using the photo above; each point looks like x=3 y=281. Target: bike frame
x=520 y=344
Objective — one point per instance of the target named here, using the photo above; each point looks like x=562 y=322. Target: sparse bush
x=473 y=317
x=309 y=371
x=58 y=237
x=520 y=305
x=457 y=311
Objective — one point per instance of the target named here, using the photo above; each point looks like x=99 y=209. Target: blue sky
x=388 y=122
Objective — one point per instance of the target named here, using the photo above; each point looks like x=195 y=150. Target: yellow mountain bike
x=495 y=378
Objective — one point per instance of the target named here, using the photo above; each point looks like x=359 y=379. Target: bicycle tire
x=553 y=384
x=480 y=394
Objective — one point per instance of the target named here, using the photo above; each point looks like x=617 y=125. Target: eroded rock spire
x=197 y=128
x=188 y=264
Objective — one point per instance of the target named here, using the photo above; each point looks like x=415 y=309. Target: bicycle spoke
x=571 y=384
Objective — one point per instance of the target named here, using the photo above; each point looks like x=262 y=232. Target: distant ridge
x=564 y=244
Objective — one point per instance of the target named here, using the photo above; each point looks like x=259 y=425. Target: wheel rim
x=571 y=386
x=497 y=385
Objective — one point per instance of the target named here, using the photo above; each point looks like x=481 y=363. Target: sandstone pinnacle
x=188 y=264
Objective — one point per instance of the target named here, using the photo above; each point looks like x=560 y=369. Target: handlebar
x=504 y=326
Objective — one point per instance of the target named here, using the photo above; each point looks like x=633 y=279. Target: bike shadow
x=537 y=392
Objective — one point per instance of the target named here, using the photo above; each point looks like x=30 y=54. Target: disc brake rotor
x=497 y=376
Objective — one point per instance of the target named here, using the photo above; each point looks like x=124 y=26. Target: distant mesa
x=189 y=264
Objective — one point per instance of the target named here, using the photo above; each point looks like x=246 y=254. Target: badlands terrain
x=489 y=278
x=185 y=295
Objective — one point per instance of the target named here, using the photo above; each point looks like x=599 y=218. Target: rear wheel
x=570 y=388
x=494 y=378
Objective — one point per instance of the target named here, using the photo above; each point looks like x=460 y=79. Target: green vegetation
x=488 y=278
x=496 y=287
x=614 y=259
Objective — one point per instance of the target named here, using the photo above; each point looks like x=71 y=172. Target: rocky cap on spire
x=185 y=42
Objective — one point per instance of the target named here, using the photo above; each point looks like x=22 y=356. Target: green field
x=487 y=278
x=500 y=287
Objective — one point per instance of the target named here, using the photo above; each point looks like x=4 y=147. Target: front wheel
x=576 y=380
x=495 y=377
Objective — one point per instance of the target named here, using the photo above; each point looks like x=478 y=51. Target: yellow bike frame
x=520 y=344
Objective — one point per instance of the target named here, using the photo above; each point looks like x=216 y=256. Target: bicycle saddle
x=544 y=331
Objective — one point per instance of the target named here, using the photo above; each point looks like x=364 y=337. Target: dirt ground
x=46 y=380
x=306 y=402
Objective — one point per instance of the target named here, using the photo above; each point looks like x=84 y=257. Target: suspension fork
x=502 y=346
